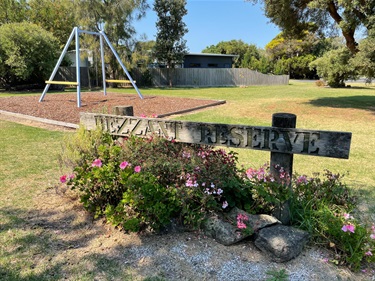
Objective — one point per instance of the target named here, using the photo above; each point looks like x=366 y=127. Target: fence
x=187 y=77
x=207 y=77
x=68 y=73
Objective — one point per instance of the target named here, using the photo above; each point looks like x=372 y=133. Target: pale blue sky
x=212 y=21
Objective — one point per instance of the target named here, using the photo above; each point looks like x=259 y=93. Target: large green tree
x=293 y=56
x=296 y=16
x=170 y=46
x=56 y=16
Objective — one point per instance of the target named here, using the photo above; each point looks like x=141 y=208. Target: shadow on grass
x=358 y=102
x=35 y=247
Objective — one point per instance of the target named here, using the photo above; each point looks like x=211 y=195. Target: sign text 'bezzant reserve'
x=283 y=140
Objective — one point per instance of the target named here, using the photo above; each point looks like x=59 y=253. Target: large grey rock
x=282 y=243
x=256 y=222
x=224 y=228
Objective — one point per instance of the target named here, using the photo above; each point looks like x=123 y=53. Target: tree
x=57 y=17
x=293 y=56
x=364 y=61
x=235 y=47
x=115 y=17
x=28 y=54
x=334 y=67
x=170 y=47
x=294 y=17
x=12 y=11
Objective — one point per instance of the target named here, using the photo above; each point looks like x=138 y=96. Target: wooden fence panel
x=206 y=77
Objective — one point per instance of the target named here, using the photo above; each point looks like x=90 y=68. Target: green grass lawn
x=28 y=162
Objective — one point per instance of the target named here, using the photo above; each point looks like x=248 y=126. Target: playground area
x=63 y=107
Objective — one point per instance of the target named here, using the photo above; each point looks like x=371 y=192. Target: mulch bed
x=63 y=107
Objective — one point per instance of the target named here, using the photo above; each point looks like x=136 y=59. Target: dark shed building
x=209 y=61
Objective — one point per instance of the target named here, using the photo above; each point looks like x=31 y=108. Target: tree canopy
x=295 y=16
x=27 y=53
x=235 y=47
x=170 y=46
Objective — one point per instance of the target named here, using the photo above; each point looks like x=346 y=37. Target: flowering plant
x=148 y=182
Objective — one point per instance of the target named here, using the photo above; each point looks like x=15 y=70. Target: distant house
x=209 y=60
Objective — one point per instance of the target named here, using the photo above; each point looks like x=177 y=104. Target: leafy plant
x=140 y=183
x=277 y=275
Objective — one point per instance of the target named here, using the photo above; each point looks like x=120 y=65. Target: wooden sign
x=273 y=139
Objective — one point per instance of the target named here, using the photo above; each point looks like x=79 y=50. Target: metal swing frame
x=75 y=33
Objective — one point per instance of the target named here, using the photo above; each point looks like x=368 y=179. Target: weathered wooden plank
x=283 y=140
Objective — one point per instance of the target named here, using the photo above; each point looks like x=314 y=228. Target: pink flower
x=302 y=180
x=143 y=115
x=348 y=227
x=97 y=163
x=154 y=116
x=372 y=236
x=72 y=176
x=241 y=218
x=137 y=169
x=368 y=253
x=123 y=165
x=241 y=225
x=225 y=204
x=347 y=216
x=63 y=179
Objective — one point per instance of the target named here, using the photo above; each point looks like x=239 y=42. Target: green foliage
x=57 y=17
x=170 y=46
x=364 y=60
x=322 y=206
x=334 y=67
x=319 y=205
x=28 y=54
x=177 y=181
x=277 y=275
x=12 y=11
x=293 y=56
x=295 y=17
x=235 y=47
x=115 y=18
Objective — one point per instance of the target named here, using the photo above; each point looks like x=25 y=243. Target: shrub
x=334 y=67
x=320 y=205
x=28 y=54
x=177 y=181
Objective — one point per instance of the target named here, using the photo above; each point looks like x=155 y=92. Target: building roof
x=212 y=55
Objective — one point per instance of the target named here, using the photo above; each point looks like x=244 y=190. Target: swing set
x=75 y=33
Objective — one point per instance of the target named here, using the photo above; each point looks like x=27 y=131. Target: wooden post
x=124 y=110
x=284 y=160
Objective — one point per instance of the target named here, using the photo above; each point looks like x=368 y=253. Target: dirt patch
x=63 y=107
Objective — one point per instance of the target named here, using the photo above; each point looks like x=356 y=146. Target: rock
x=282 y=243
x=256 y=222
x=224 y=229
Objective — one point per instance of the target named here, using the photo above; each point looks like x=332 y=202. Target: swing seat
x=62 y=83
x=119 y=81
